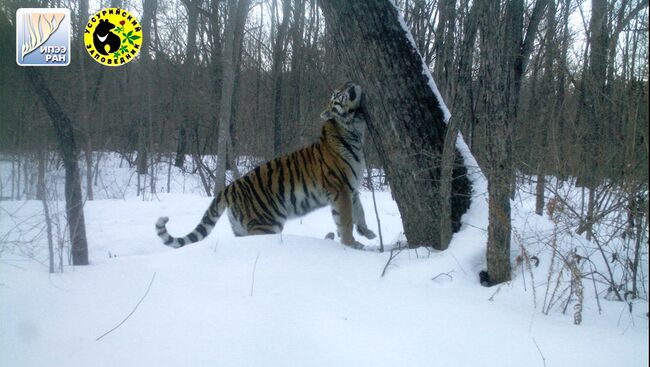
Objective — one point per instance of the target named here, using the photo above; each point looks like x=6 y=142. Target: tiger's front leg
x=359 y=217
x=342 y=213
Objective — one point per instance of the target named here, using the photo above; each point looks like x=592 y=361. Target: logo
x=43 y=37
x=113 y=37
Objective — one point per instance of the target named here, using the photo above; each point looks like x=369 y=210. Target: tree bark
x=84 y=115
x=146 y=117
x=405 y=119
x=69 y=154
x=237 y=11
x=463 y=103
x=279 y=53
x=544 y=136
x=297 y=69
x=190 y=54
x=594 y=103
x=496 y=76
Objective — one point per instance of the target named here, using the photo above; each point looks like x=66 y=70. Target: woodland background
x=167 y=103
x=248 y=79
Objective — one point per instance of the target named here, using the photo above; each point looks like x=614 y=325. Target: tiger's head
x=343 y=104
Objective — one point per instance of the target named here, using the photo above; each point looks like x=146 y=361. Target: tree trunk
x=297 y=68
x=496 y=81
x=447 y=163
x=186 y=100
x=547 y=113
x=444 y=47
x=405 y=118
x=69 y=154
x=84 y=115
x=40 y=183
x=595 y=116
x=539 y=194
x=237 y=10
x=279 y=53
x=146 y=118
x=444 y=74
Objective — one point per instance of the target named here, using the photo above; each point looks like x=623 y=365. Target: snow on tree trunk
x=406 y=116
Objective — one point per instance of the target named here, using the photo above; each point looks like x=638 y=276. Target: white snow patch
x=309 y=301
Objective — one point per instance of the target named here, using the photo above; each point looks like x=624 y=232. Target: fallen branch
x=497 y=291
x=447 y=274
x=132 y=311
x=253 y=277
x=540 y=352
x=393 y=254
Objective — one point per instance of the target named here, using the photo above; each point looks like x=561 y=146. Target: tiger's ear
x=354 y=93
x=327 y=115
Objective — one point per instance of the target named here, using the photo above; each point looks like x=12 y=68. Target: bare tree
x=237 y=11
x=69 y=153
x=190 y=55
x=279 y=55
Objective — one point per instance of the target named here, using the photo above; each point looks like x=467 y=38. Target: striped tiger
x=328 y=171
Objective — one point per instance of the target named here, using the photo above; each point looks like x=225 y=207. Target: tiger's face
x=343 y=104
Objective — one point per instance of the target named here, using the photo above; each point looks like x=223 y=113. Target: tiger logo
x=327 y=172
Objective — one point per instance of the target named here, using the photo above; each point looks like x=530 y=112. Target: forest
x=517 y=128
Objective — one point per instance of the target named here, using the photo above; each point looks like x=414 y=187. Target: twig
x=253 y=277
x=496 y=291
x=374 y=203
x=457 y=262
x=132 y=311
x=540 y=352
x=447 y=274
x=393 y=254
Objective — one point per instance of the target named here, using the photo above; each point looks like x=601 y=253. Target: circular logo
x=113 y=37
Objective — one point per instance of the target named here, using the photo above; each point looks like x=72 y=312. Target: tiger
x=329 y=171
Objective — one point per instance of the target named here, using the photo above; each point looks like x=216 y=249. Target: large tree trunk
x=69 y=154
x=444 y=74
x=405 y=118
x=496 y=83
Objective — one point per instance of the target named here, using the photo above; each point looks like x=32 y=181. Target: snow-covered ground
x=285 y=300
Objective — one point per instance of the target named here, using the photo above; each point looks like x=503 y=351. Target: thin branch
x=132 y=311
x=393 y=254
x=253 y=276
x=540 y=352
x=448 y=274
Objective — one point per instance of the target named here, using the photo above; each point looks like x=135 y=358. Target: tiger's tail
x=201 y=231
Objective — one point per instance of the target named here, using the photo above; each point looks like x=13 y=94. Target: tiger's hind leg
x=241 y=229
x=359 y=217
x=342 y=214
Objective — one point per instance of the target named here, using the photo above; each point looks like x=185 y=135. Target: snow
x=285 y=300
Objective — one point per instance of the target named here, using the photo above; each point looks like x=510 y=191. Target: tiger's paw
x=329 y=236
x=366 y=232
x=354 y=244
